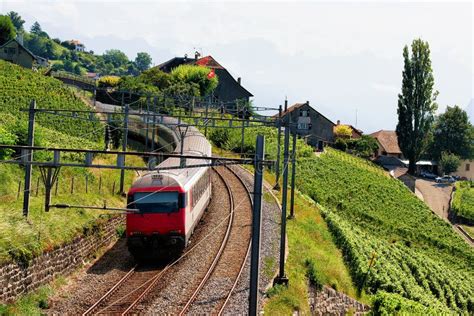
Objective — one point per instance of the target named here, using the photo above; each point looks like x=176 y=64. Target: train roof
x=194 y=143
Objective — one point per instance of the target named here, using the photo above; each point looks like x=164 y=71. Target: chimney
x=19 y=38
x=338 y=122
x=196 y=55
x=185 y=57
x=286 y=105
x=239 y=80
x=307 y=102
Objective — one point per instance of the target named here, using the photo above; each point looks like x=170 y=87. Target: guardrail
x=73 y=77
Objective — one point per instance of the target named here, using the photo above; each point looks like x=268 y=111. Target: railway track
x=124 y=297
x=220 y=280
x=127 y=292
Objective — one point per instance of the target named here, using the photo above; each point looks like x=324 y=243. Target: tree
x=416 y=103
x=449 y=162
x=115 y=57
x=452 y=133
x=16 y=20
x=342 y=131
x=143 y=61
x=7 y=30
x=36 y=28
x=196 y=75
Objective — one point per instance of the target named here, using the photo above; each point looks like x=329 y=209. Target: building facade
x=466 y=169
x=315 y=128
x=16 y=53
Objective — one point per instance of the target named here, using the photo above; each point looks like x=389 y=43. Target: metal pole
x=282 y=279
x=47 y=187
x=95 y=95
x=124 y=147
x=29 y=158
x=207 y=112
x=293 y=175
x=242 y=144
x=147 y=123
x=153 y=130
x=277 y=171
x=256 y=225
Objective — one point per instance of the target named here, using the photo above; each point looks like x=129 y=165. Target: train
x=170 y=202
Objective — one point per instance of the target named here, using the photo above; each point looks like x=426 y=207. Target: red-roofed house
x=228 y=90
x=388 y=143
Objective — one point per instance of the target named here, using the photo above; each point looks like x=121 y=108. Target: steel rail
x=219 y=253
x=231 y=291
x=110 y=292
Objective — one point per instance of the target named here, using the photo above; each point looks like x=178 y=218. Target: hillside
x=417 y=255
x=22 y=238
x=18 y=86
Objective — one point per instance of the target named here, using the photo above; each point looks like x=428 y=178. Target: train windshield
x=155 y=202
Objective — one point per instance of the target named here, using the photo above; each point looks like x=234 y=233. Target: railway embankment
x=18 y=278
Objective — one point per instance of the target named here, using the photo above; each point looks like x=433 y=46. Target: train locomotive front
x=170 y=202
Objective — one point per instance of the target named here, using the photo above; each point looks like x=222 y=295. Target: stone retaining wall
x=330 y=302
x=20 y=278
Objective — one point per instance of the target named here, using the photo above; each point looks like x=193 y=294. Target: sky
x=345 y=58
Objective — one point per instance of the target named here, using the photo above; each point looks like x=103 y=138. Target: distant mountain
x=470 y=111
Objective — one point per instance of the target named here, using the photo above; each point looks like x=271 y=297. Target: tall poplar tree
x=416 y=103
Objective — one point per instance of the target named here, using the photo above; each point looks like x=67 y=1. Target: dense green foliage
x=417 y=254
x=394 y=304
x=16 y=20
x=7 y=30
x=463 y=200
x=449 y=162
x=196 y=75
x=416 y=103
x=18 y=86
x=452 y=133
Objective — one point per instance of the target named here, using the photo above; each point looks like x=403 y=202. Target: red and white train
x=170 y=202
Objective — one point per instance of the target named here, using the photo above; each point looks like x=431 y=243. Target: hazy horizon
x=343 y=57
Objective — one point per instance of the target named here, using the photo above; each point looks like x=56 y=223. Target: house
x=227 y=91
x=356 y=133
x=388 y=143
x=78 y=46
x=466 y=169
x=14 y=52
x=309 y=124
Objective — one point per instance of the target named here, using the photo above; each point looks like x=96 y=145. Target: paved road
x=436 y=195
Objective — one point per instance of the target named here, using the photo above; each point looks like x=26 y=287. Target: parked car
x=428 y=175
x=445 y=179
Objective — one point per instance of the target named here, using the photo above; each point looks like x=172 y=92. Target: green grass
x=463 y=200
x=21 y=238
x=35 y=302
x=309 y=239
x=418 y=256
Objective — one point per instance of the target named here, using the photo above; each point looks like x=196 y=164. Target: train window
x=156 y=202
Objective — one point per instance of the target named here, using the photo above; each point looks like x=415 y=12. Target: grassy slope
x=308 y=239
x=20 y=238
x=417 y=255
x=463 y=202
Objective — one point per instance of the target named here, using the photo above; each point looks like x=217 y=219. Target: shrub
x=195 y=75
x=6 y=138
x=340 y=144
x=109 y=82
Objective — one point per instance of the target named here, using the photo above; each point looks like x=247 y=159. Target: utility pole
x=281 y=278
x=124 y=146
x=29 y=158
x=147 y=121
x=242 y=144
x=256 y=225
x=293 y=176
x=153 y=130
x=277 y=171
